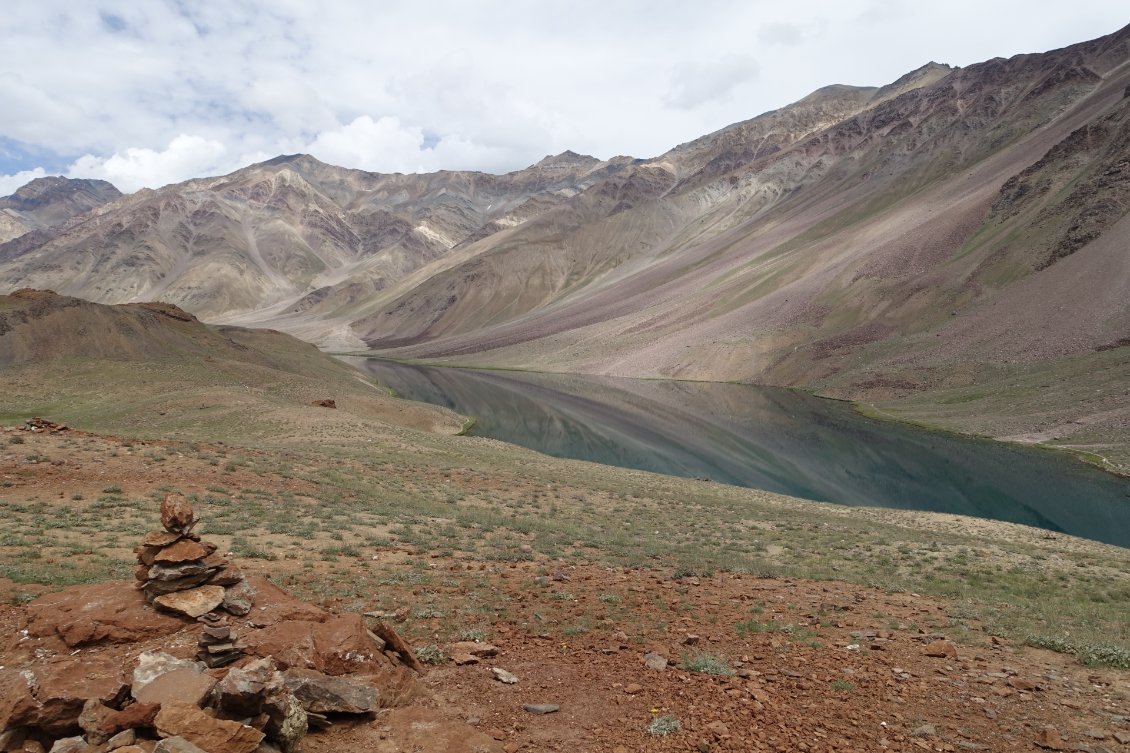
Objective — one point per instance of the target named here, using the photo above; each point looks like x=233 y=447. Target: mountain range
x=938 y=235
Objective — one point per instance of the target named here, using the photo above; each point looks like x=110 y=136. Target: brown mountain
x=950 y=228
x=48 y=202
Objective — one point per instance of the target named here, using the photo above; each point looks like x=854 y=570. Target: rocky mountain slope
x=48 y=202
x=867 y=242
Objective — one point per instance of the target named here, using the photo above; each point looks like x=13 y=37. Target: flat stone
x=122 y=739
x=1122 y=737
x=177 y=745
x=188 y=721
x=70 y=745
x=655 y=661
x=178 y=570
x=503 y=676
x=111 y=612
x=183 y=550
x=178 y=686
x=217 y=633
x=925 y=730
x=632 y=688
x=193 y=602
x=462 y=660
x=324 y=694
x=541 y=708
x=153 y=664
x=160 y=539
x=155 y=588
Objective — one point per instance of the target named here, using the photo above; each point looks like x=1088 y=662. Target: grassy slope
x=368 y=477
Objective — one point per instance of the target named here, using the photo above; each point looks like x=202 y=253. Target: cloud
x=185 y=157
x=694 y=84
x=386 y=145
x=9 y=184
x=492 y=85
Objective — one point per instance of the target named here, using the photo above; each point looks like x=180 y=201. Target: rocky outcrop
x=294 y=668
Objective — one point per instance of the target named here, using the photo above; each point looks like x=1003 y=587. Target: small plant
x=16 y=440
x=609 y=598
x=76 y=497
x=842 y=686
x=473 y=634
x=663 y=725
x=431 y=654
x=1090 y=654
x=706 y=664
x=112 y=489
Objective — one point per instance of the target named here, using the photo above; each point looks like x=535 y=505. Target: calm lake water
x=774 y=439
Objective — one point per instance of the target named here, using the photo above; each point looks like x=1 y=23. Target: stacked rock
x=219 y=643
x=180 y=573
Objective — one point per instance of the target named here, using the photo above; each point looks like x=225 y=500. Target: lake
x=774 y=439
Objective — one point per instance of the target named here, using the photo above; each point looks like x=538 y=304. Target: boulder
x=338 y=646
x=211 y=734
x=111 y=612
x=324 y=694
x=51 y=698
x=243 y=690
x=258 y=689
x=193 y=602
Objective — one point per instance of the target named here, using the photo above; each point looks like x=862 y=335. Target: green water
x=774 y=439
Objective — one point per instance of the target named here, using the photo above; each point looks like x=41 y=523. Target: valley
x=947 y=250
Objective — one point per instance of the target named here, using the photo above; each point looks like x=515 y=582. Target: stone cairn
x=180 y=573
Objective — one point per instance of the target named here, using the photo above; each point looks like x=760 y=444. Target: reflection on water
x=774 y=439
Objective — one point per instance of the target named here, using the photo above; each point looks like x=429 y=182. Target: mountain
x=957 y=226
x=49 y=202
x=129 y=367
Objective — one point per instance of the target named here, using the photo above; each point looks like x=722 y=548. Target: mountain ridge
x=866 y=242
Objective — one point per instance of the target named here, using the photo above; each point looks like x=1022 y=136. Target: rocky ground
x=620 y=659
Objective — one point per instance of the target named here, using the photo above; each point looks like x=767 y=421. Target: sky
x=149 y=92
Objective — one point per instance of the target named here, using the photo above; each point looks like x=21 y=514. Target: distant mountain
x=48 y=202
x=865 y=241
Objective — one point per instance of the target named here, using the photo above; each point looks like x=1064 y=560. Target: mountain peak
x=56 y=185
x=567 y=158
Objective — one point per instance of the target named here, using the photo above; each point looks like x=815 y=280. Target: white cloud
x=9 y=184
x=500 y=83
x=186 y=157
x=386 y=145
